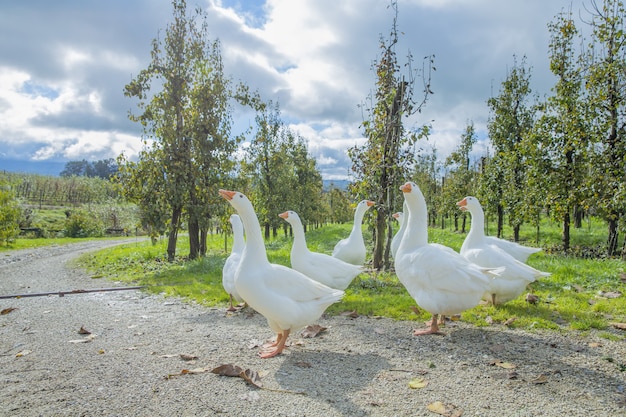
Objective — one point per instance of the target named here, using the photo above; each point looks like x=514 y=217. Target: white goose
x=440 y=280
x=232 y=262
x=519 y=252
x=480 y=250
x=288 y=299
x=397 y=238
x=323 y=268
x=352 y=249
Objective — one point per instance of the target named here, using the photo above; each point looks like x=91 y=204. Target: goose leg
x=434 y=328
x=267 y=346
x=231 y=308
x=280 y=345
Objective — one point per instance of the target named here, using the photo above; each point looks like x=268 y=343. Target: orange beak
x=228 y=195
x=462 y=204
x=406 y=188
x=370 y=203
x=284 y=215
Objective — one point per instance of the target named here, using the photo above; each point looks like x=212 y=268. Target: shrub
x=81 y=223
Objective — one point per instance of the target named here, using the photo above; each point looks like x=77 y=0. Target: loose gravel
x=152 y=356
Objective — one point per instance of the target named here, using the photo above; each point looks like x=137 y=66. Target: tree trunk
x=204 y=232
x=377 y=258
x=194 y=237
x=500 y=220
x=516 y=229
x=173 y=234
x=565 y=238
x=578 y=216
x=613 y=236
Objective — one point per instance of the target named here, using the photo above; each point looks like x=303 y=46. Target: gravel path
x=131 y=364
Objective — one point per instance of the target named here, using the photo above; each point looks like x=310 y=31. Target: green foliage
x=82 y=223
x=9 y=214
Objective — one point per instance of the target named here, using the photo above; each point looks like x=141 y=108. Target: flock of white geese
x=441 y=280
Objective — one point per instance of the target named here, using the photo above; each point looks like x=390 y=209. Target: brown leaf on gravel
x=302 y=364
x=188 y=372
x=352 y=314
x=621 y=326
x=7 y=310
x=228 y=370
x=251 y=377
x=504 y=365
x=83 y=331
x=248 y=375
x=447 y=410
x=186 y=357
x=541 y=379
x=312 y=330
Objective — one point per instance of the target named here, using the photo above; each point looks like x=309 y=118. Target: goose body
x=352 y=248
x=328 y=270
x=232 y=262
x=479 y=250
x=288 y=299
x=440 y=280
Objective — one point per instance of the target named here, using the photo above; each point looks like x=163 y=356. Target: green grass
x=571 y=299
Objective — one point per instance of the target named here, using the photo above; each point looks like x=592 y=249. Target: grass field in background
x=581 y=294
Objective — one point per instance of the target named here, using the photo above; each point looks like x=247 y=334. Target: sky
x=64 y=65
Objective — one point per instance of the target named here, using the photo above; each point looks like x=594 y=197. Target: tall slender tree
x=511 y=120
x=606 y=85
x=384 y=161
x=182 y=97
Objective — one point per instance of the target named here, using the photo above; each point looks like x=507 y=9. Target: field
x=581 y=294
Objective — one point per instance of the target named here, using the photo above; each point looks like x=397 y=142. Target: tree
x=104 y=168
x=558 y=166
x=383 y=162
x=606 y=86
x=511 y=120
x=9 y=214
x=460 y=180
x=188 y=120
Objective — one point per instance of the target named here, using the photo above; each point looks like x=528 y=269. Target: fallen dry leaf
x=248 y=375
x=352 y=314
x=188 y=372
x=621 y=326
x=532 y=298
x=504 y=365
x=622 y=277
x=302 y=364
x=417 y=383
x=186 y=357
x=23 y=353
x=541 y=379
x=251 y=377
x=447 y=410
x=7 y=310
x=83 y=331
x=228 y=370
x=595 y=344
x=509 y=321
x=610 y=294
x=489 y=320
x=312 y=330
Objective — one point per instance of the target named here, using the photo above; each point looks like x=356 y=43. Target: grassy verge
x=581 y=294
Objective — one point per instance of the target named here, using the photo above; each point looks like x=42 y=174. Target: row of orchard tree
x=564 y=155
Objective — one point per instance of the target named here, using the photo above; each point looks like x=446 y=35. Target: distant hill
x=47 y=168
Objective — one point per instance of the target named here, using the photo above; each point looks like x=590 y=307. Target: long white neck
x=255 y=247
x=299 y=240
x=358 y=221
x=477 y=227
x=416 y=233
x=238 y=238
